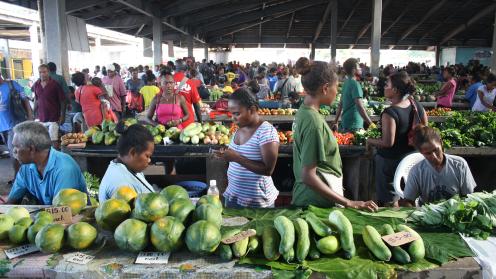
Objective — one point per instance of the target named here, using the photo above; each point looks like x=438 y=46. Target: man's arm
x=18 y=190
x=362 y=111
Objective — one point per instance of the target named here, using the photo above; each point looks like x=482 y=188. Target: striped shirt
x=250 y=189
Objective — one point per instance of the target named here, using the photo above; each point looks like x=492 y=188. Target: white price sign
x=80 y=258
x=152 y=258
x=21 y=250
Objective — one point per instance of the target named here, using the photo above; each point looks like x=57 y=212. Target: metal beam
x=260 y=27
x=322 y=21
x=433 y=10
x=275 y=10
x=184 y=7
x=334 y=30
x=350 y=15
x=74 y=6
x=474 y=19
x=289 y=27
x=403 y=13
x=123 y=22
x=493 y=58
x=461 y=7
x=99 y=12
x=139 y=30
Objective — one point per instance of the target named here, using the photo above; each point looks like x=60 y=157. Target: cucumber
x=253 y=244
x=270 y=243
x=399 y=255
x=416 y=249
x=289 y=256
x=230 y=233
x=373 y=241
x=240 y=248
x=303 y=243
x=343 y=225
x=285 y=228
x=225 y=252
x=314 y=253
x=317 y=225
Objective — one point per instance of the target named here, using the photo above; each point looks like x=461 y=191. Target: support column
x=312 y=51
x=493 y=58
x=190 y=46
x=98 y=51
x=438 y=55
x=35 y=49
x=157 y=41
x=205 y=54
x=170 y=45
x=376 y=37
x=56 y=35
x=334 y=30
x=4 y=49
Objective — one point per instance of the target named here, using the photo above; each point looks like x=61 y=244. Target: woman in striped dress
x=252 y=155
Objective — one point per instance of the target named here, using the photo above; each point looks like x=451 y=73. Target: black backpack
x=16 y=105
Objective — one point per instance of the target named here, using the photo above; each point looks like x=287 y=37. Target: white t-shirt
x=116 y=176
x=488 y=97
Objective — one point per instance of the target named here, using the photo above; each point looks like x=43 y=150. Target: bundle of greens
x=473 y=216
x=361 y=136
x=92 y=184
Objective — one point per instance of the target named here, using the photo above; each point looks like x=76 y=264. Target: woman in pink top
x=445 y=95
x=168 y=108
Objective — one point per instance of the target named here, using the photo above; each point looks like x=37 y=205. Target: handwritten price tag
x=240 y=236
x=21 y=250
x=400 y=238
x=152 y=258
x=80 y=258
x=61 y=214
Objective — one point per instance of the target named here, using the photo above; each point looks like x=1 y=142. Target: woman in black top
x=396 y=122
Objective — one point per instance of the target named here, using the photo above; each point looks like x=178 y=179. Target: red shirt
x=88 y=96
x=190 y=93
x=49 y=100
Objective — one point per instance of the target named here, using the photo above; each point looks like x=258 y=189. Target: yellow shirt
x=230 y=76
x=149 y=92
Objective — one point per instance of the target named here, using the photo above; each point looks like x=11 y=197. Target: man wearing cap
x=190 y=93
x=116 y=91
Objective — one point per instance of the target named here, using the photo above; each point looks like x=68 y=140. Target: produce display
x=215 y=93
x=266 y=111
x=425 y=92
x=73 y=138
x=439 y=112
x=206 y=134
x=285 y=137
x=344 y=139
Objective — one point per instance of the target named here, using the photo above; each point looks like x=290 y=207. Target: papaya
x=416 y=249
x=399 y=255
x=111 y=213
x=18 y=234
x=203 y=237
x=345 y=230
x=376 y=245
x=50 y=238
x=97 y=137
x=150 y=207
x=166 y=234
x=125 y=193
x=210 y=213
x=26 y=222
x=286 y=230
x=174 y=192
x=44 y=215
x=6 y=223
x=210 y=199
x=17 y=212
x=33 y=231
x=73 y=198
x=109 y=139
x=131 y=235
x=81 y=235
x=181 y=209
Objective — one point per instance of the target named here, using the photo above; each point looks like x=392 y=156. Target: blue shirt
x=272 y=82
x=471 y=94
x=61 y=172
x=6 y=121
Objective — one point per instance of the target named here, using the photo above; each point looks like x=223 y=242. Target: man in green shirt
x=52 y=68
x=351 y=108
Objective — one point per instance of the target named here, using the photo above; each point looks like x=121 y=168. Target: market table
x=110 y=262
x=277 y=119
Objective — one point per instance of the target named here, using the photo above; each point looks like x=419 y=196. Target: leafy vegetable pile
x=468 y=129
x=92 y=183
x=474 y=216
x=361 y=136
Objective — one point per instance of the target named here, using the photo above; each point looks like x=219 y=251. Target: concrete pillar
x=493 y=58
x=170 y=45
x=190 y=46
x=205 y=54
x=312 y=51
x=98 y=51
x=157 y=41
x=56 y=35
x=438 y=55
x=4 y=49
x=35 y=48
x=334 y=29
x=376 y=37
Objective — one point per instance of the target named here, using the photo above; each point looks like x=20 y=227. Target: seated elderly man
x=440 y=176
x=44 y=170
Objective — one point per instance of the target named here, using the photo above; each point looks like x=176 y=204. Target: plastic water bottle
x=213 y=190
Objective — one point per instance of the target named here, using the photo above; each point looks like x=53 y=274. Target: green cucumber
x=416 y=249
x=253 y=245
x=270 y=243
x=303 y=243
x=289 y=256
x=240 y=248
x=399 y=254
x=314 y=253
x=225 y=252
x=343 y=225
x=317 y=225
x=376 y=245
x=286 y=230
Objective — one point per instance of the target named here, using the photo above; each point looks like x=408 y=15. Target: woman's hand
x=228 y=155
x=173 y=123
x=368 y=205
